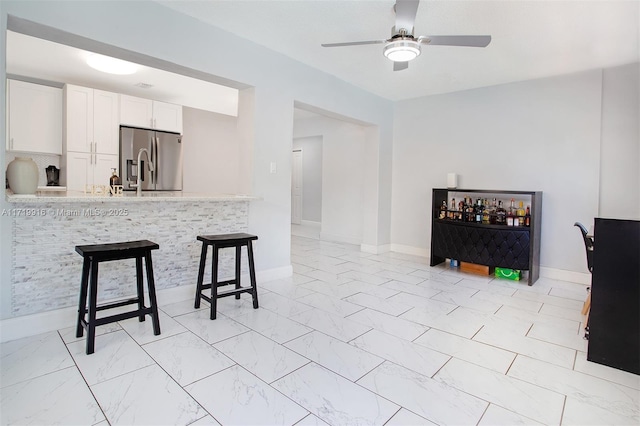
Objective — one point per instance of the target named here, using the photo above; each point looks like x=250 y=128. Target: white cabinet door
x=91 y=120
x=78 y=125
x=167 y=117
x=136 y=112
x=34 y=118
x=85 y=169
x=104 y=163
x=106 y=129
x=79 y=170
x=145 y=113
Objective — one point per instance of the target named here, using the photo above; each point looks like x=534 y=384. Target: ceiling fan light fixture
x=111 y=65
x=402 y=50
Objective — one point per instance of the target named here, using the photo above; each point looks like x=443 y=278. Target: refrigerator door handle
x=155 y=160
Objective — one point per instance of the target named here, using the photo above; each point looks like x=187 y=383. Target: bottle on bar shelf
x=485 y=212
x=478 y=209
x=520 y=215
x=492 y=212
x=443 y=210
x=501 y=214
x=511 y=213
x=471 y=214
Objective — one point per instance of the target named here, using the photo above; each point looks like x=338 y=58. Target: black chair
x=588 y=244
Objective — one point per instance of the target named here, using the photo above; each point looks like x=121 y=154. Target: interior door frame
x=297 y=184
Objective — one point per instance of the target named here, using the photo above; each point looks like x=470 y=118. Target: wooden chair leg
x=587 y=305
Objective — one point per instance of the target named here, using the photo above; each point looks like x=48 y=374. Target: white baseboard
x=416 y=251
x=311 y=223
x=339 y=238
x=563 y=275
x=552 y=273
x=369 y=248
x=43 y=322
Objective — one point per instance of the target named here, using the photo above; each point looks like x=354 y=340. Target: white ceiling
x=40 y=59
x=530 y=39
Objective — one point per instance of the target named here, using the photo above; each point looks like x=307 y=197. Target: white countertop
x=128 y=196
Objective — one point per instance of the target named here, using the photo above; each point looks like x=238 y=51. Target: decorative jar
x=22 y=174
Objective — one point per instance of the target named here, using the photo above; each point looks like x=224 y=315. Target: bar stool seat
x=217 y=242
x=93 y=254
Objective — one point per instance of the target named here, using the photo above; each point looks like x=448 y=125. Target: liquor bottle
x=520 y=214
x=501 y=214
x=443 y=210
x=460 y=212
x=511 y=213
x=471 y=214
x=527 y=217
x=452 y=210
x=479 y=211
x=492 y=212
x=114 y=179
x=485 y=213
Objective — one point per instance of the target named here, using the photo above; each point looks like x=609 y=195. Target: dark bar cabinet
x=514 y=247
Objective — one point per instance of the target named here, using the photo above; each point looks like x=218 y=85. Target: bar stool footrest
x=118 y=317
x=115 y=304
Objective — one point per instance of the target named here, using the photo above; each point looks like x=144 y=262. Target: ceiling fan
x=402 y=47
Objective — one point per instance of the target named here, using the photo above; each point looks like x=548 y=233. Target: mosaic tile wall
x=46 y=270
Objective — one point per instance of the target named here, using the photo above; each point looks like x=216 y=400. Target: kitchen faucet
x=138 y=185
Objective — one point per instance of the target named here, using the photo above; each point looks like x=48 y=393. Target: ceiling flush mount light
x=402 y=50
x=111 y=65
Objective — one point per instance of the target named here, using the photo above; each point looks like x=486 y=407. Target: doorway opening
x=306 y=187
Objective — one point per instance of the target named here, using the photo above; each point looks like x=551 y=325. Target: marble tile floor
x=351 y=339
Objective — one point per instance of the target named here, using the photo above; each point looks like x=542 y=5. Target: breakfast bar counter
x=46 y=227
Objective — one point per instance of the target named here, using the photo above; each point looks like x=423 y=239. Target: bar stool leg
x=214 y=283
x=203 y=261
x=93 y=302
x=152 y=294
x=252 y=274
x=238 y=253
x=140 y=287
x=82 y=304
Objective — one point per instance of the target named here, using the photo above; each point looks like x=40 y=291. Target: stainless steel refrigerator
x=165 y=152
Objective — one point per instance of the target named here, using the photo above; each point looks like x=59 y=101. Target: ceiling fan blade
x=457 y=40
x=353 y=43
x=406 y=11
x=399 y=66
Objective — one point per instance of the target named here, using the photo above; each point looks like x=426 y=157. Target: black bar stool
x=93 y=255
x=218 y=242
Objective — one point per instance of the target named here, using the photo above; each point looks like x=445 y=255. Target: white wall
x=270 y=83
x=620 y=153
x=343 y=175
x=311 y=148
x=210 y=153
x=536 y=135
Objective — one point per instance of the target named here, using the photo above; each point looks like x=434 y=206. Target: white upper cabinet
x=34 y=118
x=106 y=128
x=138 y=112
x=91 y=120
x=167 y=117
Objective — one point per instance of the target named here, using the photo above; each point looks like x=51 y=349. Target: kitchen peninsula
x=45 y=228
